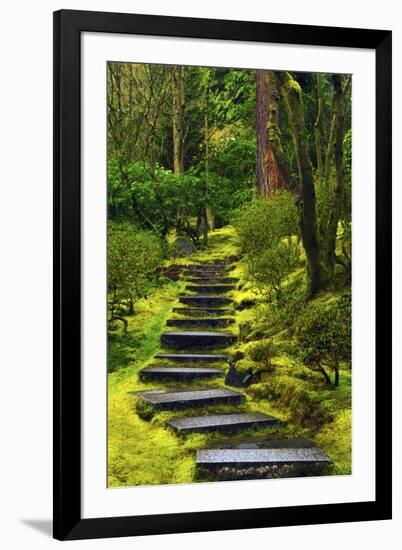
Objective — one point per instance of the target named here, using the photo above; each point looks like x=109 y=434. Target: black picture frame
x=68 y=26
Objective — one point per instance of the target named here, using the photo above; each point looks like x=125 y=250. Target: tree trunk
x=329 y=150
x=317 y=127
x=336 y=380
x=261 y=132
x=177 y=125
x=291 y=93
x=207 y=210
x=269 y=176
x=325 y=375
x=337 y=200
x=177 y=80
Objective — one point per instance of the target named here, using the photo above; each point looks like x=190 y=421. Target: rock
x=183 y=247
x=232 y=378
x=241 y=377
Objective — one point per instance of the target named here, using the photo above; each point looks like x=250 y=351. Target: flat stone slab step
x=193 y=357
x=260 y=457
x=201 y=311
x=196 y=340
x=208 y=271
x=222 y=422
x=208 y=322
x=211 y=289
x=205 y=300
x=212 y=280
x=179 y=373
x=195 y=398
x=206 y=268
x=215 y=265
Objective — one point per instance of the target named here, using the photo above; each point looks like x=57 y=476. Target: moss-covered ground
x=146 y=452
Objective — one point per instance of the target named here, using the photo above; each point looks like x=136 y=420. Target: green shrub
x=133 y=258
x=262 y=352
x=265 y=220
x=268 y=237
x=323 y=336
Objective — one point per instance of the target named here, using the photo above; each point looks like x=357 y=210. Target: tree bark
x=177 y=125
x=291 y=93
x=329 y=150
x=269 y=176
x=207 y=211
x=317 y=126
x=178 y=160
x=325 y=375
x=337 y=200
x=261 y=132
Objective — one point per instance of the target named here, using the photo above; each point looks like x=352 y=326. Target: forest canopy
x=192 y=149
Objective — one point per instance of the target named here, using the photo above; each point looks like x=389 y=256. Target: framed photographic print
x=220 y=361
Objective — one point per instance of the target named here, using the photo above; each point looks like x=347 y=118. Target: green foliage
x=266 y=229
x=266 y=220
x=261 y=352
x=323 y=335
x=133 y=258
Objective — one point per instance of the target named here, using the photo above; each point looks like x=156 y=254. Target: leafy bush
x=323 y=336
x=262 y=352
x=266 y=220
x=133 y=257
x=268 y=231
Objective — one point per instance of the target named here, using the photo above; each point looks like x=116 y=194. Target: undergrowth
x=145 y=451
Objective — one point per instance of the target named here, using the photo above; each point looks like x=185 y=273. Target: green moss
x=143 y=450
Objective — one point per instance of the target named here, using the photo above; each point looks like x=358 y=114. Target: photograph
x=229 y=271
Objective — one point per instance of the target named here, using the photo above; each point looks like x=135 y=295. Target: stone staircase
x=205 y=317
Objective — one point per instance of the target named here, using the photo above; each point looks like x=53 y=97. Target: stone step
x=179 y=373
x=211 y=265
x=210 y=289
x=192 y=398
x=212 y=458
x=193 y=357
x=221 y=422
x=201 y=311
x=208 y=322
x=212 y=280
x=196 y=340
x=205 y=300
x=207 y=270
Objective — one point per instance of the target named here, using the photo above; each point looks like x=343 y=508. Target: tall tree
x=178 y=100
x=337 y=201
x=302 y=187
x=318 y=126
x=269 y=176
x=261 y=129
x=208 y=215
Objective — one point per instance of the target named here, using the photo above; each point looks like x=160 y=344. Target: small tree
x=323 y=336
x=133 y=257
x=268 y=235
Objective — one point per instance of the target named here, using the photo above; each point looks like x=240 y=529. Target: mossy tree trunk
x=292 y=96
x=261 y=128
x=318 y=126
x=207 y=214
x=269 y=175
x=177 y=127
x=178 y=97
x=337 y=201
